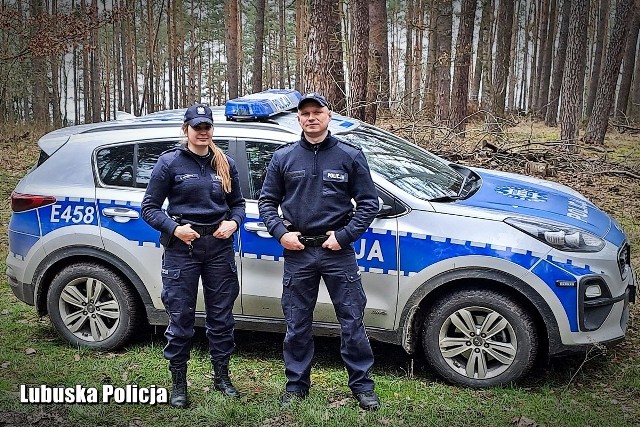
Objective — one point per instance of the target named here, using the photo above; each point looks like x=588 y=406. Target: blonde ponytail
x=220 y=163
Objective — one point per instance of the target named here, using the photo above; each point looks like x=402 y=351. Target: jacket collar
x=327 y=143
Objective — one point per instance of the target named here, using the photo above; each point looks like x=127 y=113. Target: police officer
x=313 y=181
x=205 y=208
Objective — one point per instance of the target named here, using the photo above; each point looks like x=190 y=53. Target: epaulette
x=349 y=144
x=286 y=145
x=177 y=147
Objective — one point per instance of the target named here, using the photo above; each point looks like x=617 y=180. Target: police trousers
x=213 y=261
x=302 y=272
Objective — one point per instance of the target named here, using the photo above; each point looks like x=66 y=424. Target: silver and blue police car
x=483 y=271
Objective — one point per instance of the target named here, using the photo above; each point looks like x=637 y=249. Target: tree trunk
x=38 y=74
x=231 y=46
x=501 y=70
x=599 y=120
x=94 y=60
x=462 y=64
x=534 y=12
x=601 y=36
x=627 y=68
x=573 y=77
x=378 y=86
x=302 y=28
x=543 y=93
x=359 y=14
x=551 y=118
x=522 y=102
x=323 y=64
x=55 y=76
x=417 y=85
x=443 y=64
x=543 y=22
x=485 y=22
x=515 y=32
x=408 y=57
x=256 y=85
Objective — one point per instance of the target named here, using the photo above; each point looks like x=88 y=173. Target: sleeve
x=155 y=195
x=364 y=192
x=234 y=199
x=270 y=198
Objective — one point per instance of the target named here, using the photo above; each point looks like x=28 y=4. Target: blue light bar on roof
x=262 y=105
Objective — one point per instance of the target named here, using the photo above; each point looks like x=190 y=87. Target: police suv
x=484 y=270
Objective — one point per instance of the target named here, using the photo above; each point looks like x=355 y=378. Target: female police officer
x=205 y=208
x=313 y=181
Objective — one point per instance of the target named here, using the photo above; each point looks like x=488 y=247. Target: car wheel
x=91 y=306
x=479 y=338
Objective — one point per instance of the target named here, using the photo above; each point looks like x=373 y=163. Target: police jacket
x=194 y=190
x=314 y=184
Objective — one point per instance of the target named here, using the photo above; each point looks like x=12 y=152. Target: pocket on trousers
x=356 y=297
x=287 y=304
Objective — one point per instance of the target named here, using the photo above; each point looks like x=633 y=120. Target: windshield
x=406 y=165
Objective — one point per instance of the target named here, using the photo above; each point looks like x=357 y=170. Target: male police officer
x=313 y=182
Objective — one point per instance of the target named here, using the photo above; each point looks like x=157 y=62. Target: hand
x=331 y=242
x=290 y=241
x=225 y=229
x=186 y=234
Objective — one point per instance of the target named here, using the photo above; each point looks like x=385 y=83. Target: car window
x=258 y=157
x=115 y=165
x=406 y=165
x=148 y=154
x=118 y=165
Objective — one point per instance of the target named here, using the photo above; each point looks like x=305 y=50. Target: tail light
x=24 y=202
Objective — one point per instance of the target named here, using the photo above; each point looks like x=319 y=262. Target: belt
x=313 y=241
x=205 y=230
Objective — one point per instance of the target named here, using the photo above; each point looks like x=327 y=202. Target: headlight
x=559 y=236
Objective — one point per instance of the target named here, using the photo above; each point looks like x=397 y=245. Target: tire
x=479 y=338
x=91 y=306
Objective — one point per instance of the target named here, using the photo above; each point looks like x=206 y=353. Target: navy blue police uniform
x=313 y=184
x=196 y=196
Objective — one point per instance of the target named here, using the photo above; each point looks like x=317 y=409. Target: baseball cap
x=313 y=96
x=198 y=113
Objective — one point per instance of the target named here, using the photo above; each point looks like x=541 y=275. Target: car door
x=123 y=172
x=262 y=261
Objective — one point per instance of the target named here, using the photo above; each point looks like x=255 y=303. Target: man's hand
x=331 y=242
x=225 y=229
x=290 y=241
x=185 y=233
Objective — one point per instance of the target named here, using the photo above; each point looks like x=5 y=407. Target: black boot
x=179 y=393
x=221 y=380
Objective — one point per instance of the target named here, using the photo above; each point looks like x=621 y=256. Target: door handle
x=121 y=214
x=257 y=227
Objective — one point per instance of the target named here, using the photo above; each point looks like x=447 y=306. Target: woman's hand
x=186 y=233
x=225 y=229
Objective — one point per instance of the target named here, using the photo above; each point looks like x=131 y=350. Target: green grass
x=598 y=389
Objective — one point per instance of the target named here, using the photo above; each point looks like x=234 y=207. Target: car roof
x=284 y=122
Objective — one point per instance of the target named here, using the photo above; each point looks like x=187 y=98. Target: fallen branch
x=616 y=172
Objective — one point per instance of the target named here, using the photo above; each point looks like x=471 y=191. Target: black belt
x=205 y=230
x=313 y=241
